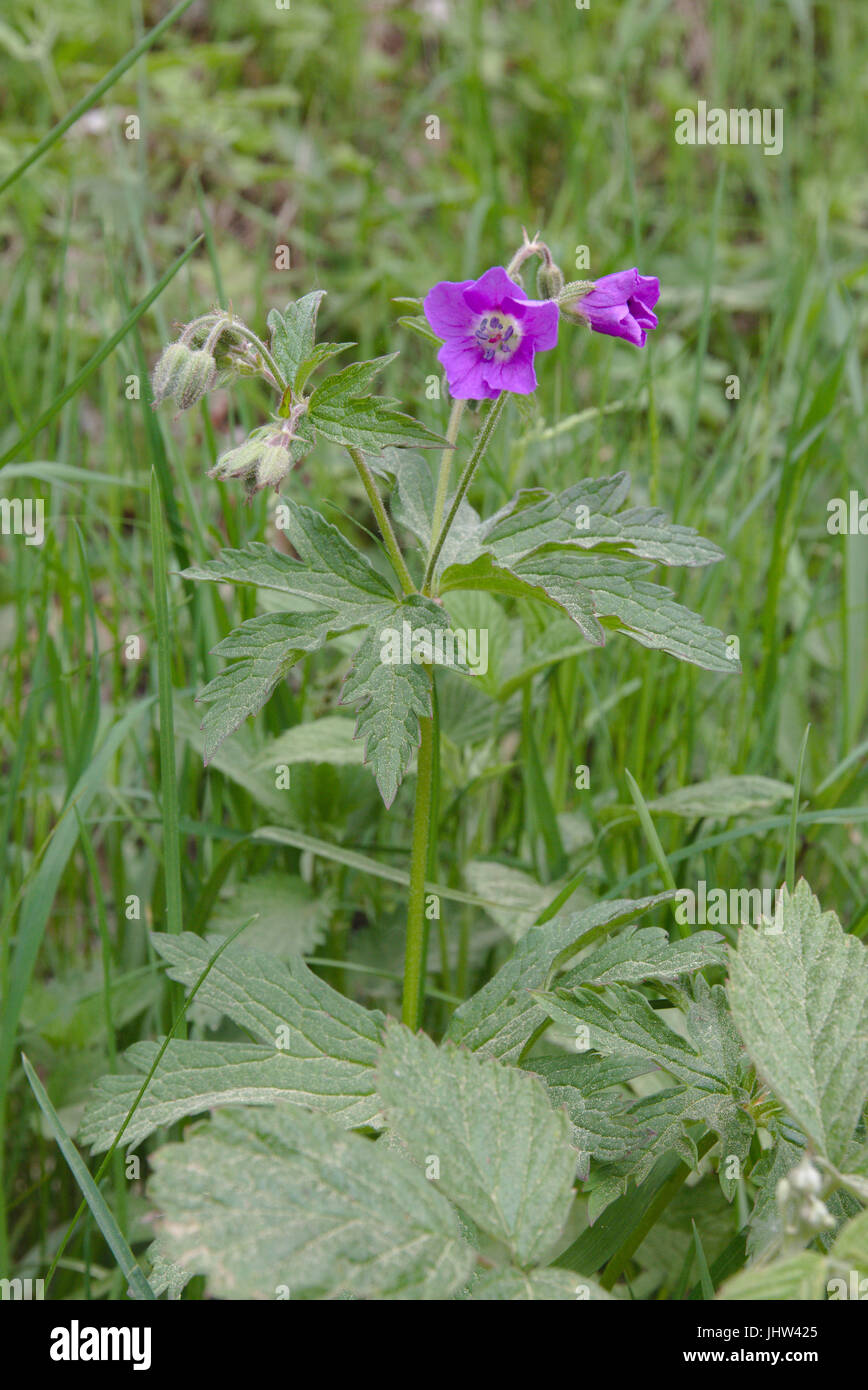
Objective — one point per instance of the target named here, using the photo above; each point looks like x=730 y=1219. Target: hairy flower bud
x=168 y=371
x=549 y=280
x=263 y=460
x=184 y=374
x=798 y=1198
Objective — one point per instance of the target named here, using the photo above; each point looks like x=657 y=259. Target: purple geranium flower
x=621 y=305
x=491 y=331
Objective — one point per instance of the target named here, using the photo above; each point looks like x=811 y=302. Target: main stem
x=414 y=955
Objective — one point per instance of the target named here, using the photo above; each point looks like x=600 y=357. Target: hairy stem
x=378 y=507
x=483 y=439
x=414 y=956
x=244 y=332
x=452 y=429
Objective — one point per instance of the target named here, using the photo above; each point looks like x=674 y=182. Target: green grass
x=308 y=128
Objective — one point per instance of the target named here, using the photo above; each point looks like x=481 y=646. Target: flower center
x=498 y=336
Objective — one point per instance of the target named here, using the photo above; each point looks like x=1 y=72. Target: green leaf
x=413 y=507
x=800 y=1001
x=485 y=574
x=263 y=650
x=549 y=1285
x=593 y=572
x=723 y=797
x=318 y=1047
x=532 y=520
x=293 y=334
x=197 y=1076
x=329 y=572
x=799 y=1278
x=623 y=601
x=500 y=1018
x=646 y=953
x=328 y=739
x=622 y=1023
x=342 y=410
x=590 y=1088
x=261 y=1201
x=264 y=996
x=393 y=695
x=323 y=352
x=292 y=918
x=504 y=1153
x=519 y=898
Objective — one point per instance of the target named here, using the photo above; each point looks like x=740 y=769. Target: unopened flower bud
x=549 y=280
x=168 y=371
x=196 y=379
x=263 y=460
x=798 y=1197
x=183 y=373
x=805 y=1178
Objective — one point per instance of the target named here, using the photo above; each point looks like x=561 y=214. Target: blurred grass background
x=306 y=127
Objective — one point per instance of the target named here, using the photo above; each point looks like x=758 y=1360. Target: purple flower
x=621 y=305
x=491 y=331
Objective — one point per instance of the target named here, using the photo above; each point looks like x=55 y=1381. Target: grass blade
x=94 y=94
x=100 y=355
x=139 y=1286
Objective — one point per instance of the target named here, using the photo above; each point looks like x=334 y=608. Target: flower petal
x=612 y=289
x=515 y=374
x=539 y=322
x=618 y=322
x=491 y=289
x=648 y=291
x=463 y=364
x=447 y=310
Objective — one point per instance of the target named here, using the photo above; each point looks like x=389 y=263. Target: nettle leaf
x=800 y=1001
x=293 y=334
x=646 y=953
x=591 y=1089
x=263 y=1200
x=504 y=1153
x=551 y=1285
x=274 y=1000
x=709 y=1066
x=394 y=693
x=621 y=1022
x=501 y=1018
x=317 y=1047
x=342 y=410
x=263 y=651
x=329 y=572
